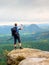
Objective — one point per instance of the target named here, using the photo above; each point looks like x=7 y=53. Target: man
x=16 y=36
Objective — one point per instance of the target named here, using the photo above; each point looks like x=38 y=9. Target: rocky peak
x=30 y=57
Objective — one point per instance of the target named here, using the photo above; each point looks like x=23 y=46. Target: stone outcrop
x=35 y=61
x=28 y=56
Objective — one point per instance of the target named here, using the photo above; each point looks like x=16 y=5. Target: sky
x=24 y=12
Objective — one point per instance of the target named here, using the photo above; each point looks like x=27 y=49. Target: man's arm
x=19 y=29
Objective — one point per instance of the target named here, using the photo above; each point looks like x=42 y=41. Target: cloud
x=24 y=10
x=24 y=3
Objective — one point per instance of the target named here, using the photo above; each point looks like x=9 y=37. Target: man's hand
x=20 y=28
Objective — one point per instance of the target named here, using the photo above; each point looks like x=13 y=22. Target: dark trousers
x=16 y=37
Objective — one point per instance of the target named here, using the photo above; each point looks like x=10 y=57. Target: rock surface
x=35 y=61
x=31 y=57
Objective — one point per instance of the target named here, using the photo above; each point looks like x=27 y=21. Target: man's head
x=15 y=24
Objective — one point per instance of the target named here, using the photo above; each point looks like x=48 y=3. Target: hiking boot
x=15 y=48
x=21 y=48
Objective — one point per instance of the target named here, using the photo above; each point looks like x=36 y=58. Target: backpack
x=13 y=31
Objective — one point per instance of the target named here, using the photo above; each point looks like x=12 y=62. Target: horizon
x=23 y=23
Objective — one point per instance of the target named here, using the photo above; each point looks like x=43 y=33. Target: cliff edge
x=28 y=56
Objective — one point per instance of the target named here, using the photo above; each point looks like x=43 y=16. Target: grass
x=27 y=42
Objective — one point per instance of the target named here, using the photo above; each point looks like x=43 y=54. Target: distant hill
x=5 y=29
x=34 y=28
x=31 y=28
x=27 y=29
x=40 y=35
x=44 y=26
